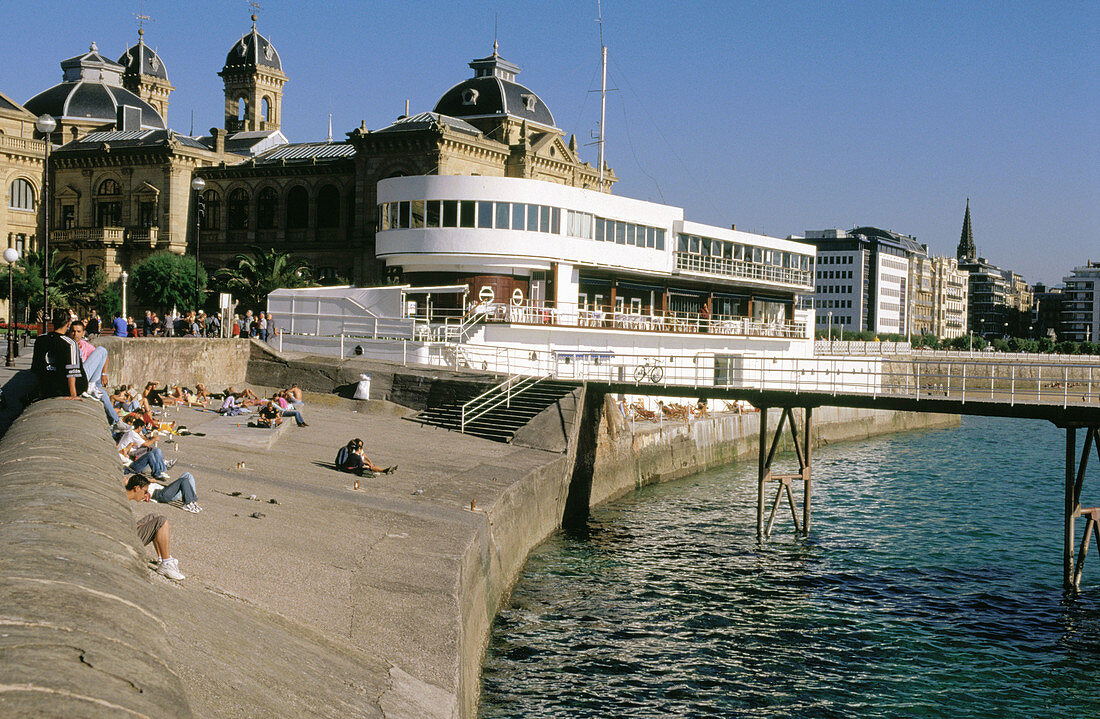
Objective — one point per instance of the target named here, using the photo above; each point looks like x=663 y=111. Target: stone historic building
x=121 y=179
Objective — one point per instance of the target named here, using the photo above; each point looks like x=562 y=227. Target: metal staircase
x=499 y=412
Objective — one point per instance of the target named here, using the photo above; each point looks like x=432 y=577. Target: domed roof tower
x=492 y=97
x=146 y=76
x=90 y=96
x=254 y=79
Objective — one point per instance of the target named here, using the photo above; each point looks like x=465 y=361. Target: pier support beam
x=802 y=448
x=1073 y=568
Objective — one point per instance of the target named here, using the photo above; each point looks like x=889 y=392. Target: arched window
x=108 y=205
x=266 y=205
x=242 y=108
x=265 y=108
x=297 y=208
x=212 y=202
x=236 y=209
x=22 y=195
x=328 y=207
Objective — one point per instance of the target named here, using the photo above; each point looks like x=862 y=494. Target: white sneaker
x=193 y=507
x=91 y=393
x=170 y=568
x=164 y=475
x=170 y=463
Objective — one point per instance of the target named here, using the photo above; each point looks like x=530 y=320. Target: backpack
x=342 y=457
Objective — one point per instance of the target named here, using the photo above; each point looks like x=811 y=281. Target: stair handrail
x=506 y=390
x=470 y=319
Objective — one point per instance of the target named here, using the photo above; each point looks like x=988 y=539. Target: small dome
x=91 y=92
x=143 y=60
x=96 y=102
x=253 y=50
x=493 y=91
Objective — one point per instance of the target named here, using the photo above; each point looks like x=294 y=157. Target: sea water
x=929 y=586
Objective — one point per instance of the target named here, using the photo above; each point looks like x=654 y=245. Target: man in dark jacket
x=57 y=361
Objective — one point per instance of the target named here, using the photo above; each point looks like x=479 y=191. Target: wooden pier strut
x=802 y=451
x=1075 y=479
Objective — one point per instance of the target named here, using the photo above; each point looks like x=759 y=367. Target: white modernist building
x=506 y=271
x=1081 y=304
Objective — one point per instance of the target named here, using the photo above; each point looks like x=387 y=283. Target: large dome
x=493 y=92
x=253 y=50
x=143 y=60
x=91 y=93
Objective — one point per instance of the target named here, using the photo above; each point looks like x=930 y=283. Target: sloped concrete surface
x=82 y=632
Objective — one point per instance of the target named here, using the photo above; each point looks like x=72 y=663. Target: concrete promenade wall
x=651 y=453
x=170 y=360
x=81 y=632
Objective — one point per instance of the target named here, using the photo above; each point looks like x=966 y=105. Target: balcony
x=89 y=237
x=725 y=267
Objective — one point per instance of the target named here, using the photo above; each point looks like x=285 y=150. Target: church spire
x=966 y=240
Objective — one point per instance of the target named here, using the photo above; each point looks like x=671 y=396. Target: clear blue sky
x=777 y=116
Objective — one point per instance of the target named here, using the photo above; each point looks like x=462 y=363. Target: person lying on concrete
x=181 y=489
x=95 y=367
x=140 y=452
x=350 y=458
x=269 y=416
x=56 y=361
x=154 y=528
x=201 y=395
x=230 y=407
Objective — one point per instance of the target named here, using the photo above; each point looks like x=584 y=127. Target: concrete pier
x=328 y=601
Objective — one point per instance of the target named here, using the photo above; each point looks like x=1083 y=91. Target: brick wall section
x=80 y=633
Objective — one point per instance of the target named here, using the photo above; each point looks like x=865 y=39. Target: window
x=532 y=218
x=518 y=221
x=328 y=207
x=212 y=208
x=242 y=109
x=265 y=208
x=68 y=217
x=544 y=218
x=503 y=210
x=450 y=213
x=485 y=215
x=109 y=204
x=297 y=208
x=236 y=209
x=147 y=212
x=265 y=108
x=417 y=214
x=433 y=212
x=466 y=213
x=22 y=195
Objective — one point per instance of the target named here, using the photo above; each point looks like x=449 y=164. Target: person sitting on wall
x=153 y=528
x=56 y=361
x=270 y=416
x=701 y=407
x=95 y=366
x=120 y=325
x=350 y=458
x=140 y=452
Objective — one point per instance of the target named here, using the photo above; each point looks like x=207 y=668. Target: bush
x=165 y=280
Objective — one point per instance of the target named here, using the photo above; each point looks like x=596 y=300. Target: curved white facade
x=646 y=241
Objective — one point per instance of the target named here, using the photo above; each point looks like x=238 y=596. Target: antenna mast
x=603 y=90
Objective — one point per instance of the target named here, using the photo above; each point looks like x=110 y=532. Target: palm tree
x=252 y=277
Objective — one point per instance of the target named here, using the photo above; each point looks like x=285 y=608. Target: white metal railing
x=728 y=267
x=653 y=321
x=963 y=379
x=496 y=396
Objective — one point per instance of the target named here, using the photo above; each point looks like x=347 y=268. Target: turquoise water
x=930 y=586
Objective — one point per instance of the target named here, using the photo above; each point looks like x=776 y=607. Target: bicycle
x=652 y=368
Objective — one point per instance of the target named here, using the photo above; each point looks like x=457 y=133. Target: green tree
x=252 y=277
x=1046 y=344
x=67 y=288
x=165 y=280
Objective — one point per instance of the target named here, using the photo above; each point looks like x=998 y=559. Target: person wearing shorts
x=153 y=529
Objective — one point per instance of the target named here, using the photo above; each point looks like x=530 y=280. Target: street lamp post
x=830 y=315
x=11 y=256
x=124 y=277
x=45 y=124
x=197 y=184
